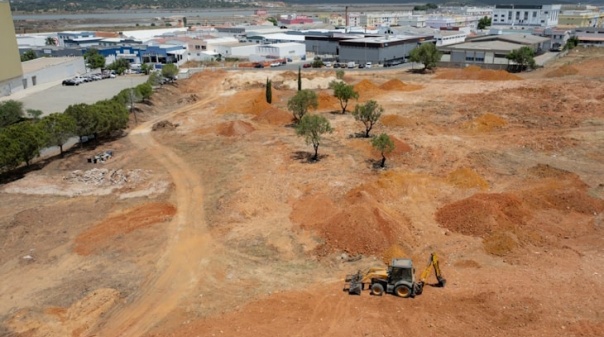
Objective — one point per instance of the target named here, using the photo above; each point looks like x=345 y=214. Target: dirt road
x=180 y=267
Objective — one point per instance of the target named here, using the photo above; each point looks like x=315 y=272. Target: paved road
x=56 y=98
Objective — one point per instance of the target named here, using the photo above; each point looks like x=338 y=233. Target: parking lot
x=57 y=98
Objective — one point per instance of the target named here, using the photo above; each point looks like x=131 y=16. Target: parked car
x=336 y=65
x=368 y=65
x=78 y=80
x=306 y=65
x=258 y=65
x=275 y=64
x=327 y=64
x=69 y=82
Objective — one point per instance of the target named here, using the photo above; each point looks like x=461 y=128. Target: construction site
x=209 y=220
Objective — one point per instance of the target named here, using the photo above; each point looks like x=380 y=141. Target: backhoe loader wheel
x=377 y=289
x=402 y=291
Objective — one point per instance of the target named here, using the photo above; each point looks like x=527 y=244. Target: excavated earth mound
x=398 y=85
x=476 y=73
x=482 y=214
x=329 y=102
x=465 y=177
x=100 y=235
x=274 y=116
x=565 y=70
x=250 y=102
x=396 y=121
x=234 y=128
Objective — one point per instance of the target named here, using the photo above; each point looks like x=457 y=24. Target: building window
x=534 y=14
x=470 y=58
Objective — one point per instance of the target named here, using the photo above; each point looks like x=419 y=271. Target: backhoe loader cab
x=400 y=281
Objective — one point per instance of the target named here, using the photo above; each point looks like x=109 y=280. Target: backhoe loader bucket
x=354 y=284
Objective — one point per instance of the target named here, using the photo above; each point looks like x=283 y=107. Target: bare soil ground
x=217 y=224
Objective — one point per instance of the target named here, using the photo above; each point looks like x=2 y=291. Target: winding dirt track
x=180 y=267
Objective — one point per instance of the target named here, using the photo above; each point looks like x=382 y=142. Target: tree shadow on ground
x=376 y=164
x=307 y=157
x=337 y=112
x=359 y=135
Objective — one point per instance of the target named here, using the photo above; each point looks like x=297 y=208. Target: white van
x=327 y=64
x=368 y=65
x=351 y=65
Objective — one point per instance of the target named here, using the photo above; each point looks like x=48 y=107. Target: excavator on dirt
x=398 y=278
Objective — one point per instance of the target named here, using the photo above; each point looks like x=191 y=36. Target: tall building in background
x=11 y=73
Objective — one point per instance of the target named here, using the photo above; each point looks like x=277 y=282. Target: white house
x=447 y=37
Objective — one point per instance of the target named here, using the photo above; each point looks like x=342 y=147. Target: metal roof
x=484 y=45
x=45 y=62
x=402 y=263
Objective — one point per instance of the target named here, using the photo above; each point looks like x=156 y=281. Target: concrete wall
x=55 y=73
x=10 y=70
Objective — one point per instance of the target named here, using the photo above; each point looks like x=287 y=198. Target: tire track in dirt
x=189 y=245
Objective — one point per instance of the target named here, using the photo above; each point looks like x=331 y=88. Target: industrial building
x=380 y=49
x=526 y=15
x=51 y=69
x=10 y=71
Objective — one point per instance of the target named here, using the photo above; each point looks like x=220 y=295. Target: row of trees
x=24 y=134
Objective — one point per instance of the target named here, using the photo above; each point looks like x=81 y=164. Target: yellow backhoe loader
x=398 y=278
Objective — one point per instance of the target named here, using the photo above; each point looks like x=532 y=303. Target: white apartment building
x=526 y=15
x=439 y=22
x=382 y=19
x=447 y=37
x=418 y=21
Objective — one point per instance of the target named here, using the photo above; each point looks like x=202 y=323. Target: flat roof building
x=10 y=71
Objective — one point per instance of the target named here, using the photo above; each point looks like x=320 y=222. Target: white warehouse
x=526 y=15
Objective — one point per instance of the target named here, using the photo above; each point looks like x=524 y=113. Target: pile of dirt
x=485 y=123
x=366 y=88
x=568 y=195
x=100 y=236
x=250 y=102
x=394 y=251
x=400 y=148
x=398 y=85
x=465 y=177
x=476 y=73
x=234 y=128
x=197 y=81
x=500 y=243
x=327 y=102
x=396 y=121
x=274 y=116
x=357 y=224
x=482 y=214
x=547 y=171
x=565 y=70
x=164 y=125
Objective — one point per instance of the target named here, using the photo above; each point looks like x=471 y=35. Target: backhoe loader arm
x=433 y=263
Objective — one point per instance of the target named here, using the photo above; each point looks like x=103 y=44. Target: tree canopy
x=426 y=54
x=343 y=92
x=368 y=113
x=169 y=71
x=58 y=128
x=94 y=59
x=300 y=103
x=119 y=66
x=522 y=57
x=11 y=112
x=311 y=127
x=384 y=144
x=28 y=55
x=484 y=22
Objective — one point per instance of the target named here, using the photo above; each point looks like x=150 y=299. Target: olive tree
x=426 y=54
x=384 y=144
x=301 y=103
x=311 y=127
x=522 y=57
x=169 y=71
x=368 y=113
x=343 y=92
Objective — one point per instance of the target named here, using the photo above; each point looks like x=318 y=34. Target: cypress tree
x=269 y=91
x=299 y=79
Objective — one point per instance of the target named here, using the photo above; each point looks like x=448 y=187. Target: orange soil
x=485 y=123
x=476 y=73
x=251 y=102
x=327 y=102
x=234 y=128
x=396 y=121
x=100 y=235
x=565 y=70
x=274 y=116
x=466 y=178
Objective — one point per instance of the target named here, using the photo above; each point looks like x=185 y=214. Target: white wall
x=59 y=72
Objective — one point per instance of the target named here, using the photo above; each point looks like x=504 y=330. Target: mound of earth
x=565 y=70
x=400 y=148
x=357 y=224
x=367 y=89
x=465 y=177
x=485 y=123
x=328 y=102
x=274 y=116
x=476 y=73
x=250 y=102
x=398 y=85
x=482 y=214
x=99 y=236
x=234 y=128
x=199 y=80
x=164 y=125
